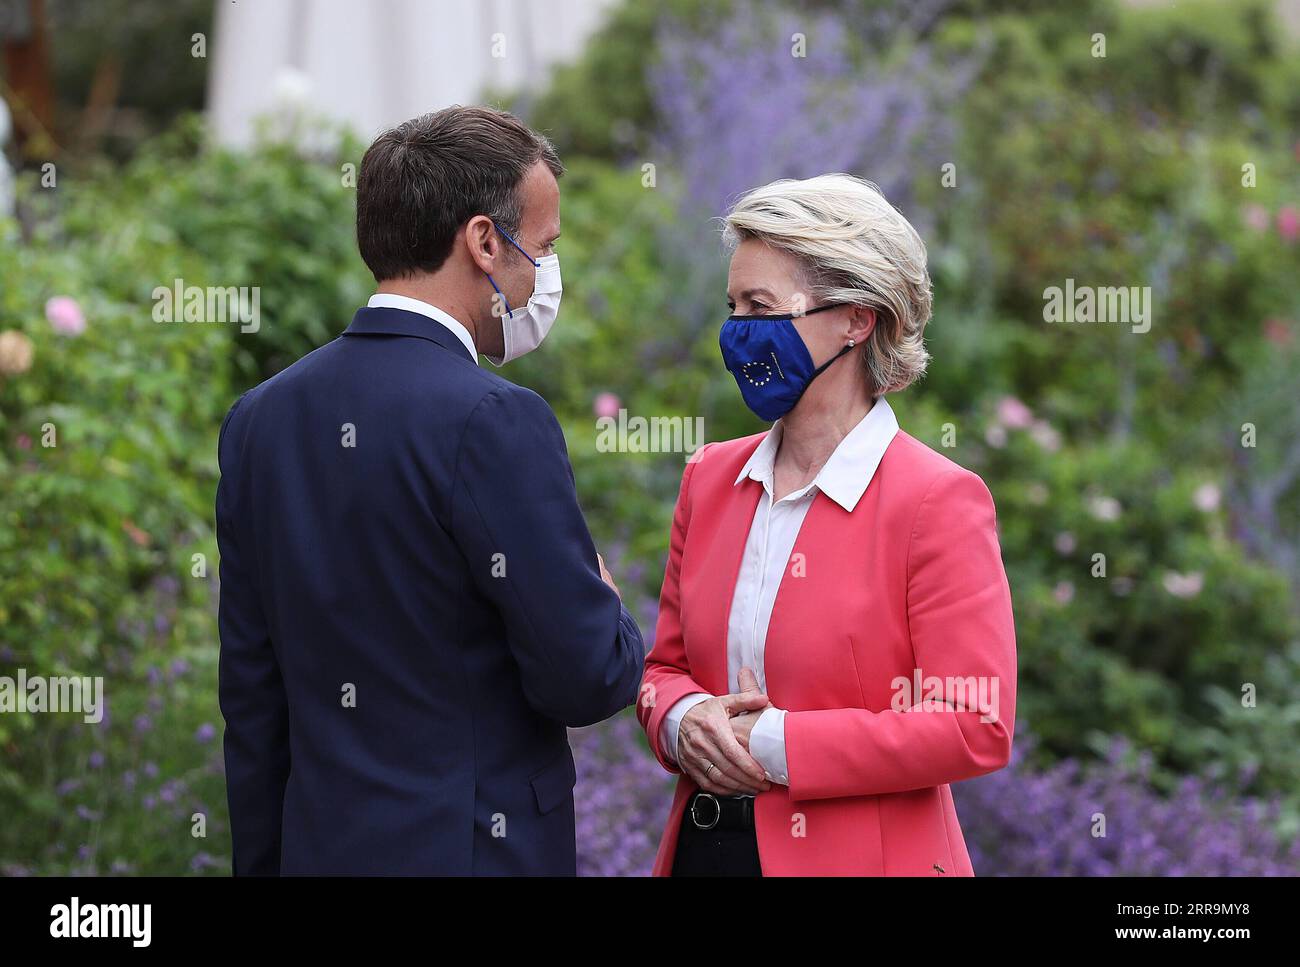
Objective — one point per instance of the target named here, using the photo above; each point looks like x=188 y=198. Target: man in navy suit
x=412 y=609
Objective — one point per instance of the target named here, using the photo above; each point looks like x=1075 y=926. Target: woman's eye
x=731 y=306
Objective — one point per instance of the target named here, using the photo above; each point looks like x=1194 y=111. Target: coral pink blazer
x=911 y=579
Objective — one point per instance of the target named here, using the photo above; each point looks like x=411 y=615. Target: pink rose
x=1014 y=414
x=1277 y=331
x=1288 y=223
x=606 y=405
x=65 y=316
x=1256 y=216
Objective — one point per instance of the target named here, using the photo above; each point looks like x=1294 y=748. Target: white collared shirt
x=389 y=300
x=844 y=479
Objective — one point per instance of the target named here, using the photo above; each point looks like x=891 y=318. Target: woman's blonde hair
x=855 y=248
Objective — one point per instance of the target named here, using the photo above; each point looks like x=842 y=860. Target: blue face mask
x=770 y=362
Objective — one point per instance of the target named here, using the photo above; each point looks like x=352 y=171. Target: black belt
x=704 y=810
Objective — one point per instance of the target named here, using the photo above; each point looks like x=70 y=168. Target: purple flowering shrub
x=747 y=104
x=621 y=800
x=120 y=795
x=1022 y=822
x=1019 y=821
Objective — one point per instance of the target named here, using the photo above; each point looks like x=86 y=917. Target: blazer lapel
x=721 y=568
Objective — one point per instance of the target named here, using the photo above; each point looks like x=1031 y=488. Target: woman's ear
x=862 y=323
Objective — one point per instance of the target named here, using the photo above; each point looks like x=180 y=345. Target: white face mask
x=523 y=329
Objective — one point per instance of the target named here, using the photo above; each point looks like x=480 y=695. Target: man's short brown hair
x=422 y=180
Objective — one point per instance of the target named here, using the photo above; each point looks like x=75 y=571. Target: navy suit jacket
x=411 y=614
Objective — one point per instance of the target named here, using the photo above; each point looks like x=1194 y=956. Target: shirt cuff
x=767 y=745
x=673 y=721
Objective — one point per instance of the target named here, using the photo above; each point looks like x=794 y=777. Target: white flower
x=16 y=352
x=1184 y=585
x=1207 y=497
x=1045 y=435
x=1104 y=508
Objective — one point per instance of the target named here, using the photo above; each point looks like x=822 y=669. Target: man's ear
x=482 y=243
x=862 y=323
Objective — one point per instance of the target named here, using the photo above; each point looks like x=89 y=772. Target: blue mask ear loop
x=822 y=368
x=536 y=264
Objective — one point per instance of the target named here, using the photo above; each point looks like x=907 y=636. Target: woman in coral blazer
x=835 y=641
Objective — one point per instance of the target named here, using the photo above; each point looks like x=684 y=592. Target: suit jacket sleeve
x=516 y=517
x=252 y=695
x=959 y=614
x=668 y=672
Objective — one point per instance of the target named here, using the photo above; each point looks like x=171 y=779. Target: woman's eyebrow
x=760 y=291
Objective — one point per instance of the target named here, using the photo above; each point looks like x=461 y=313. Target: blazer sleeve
x=251 y=691
x=667 y=671
x=516 y=518
x=962 y=631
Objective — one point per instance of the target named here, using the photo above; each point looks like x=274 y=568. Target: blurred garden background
x=1165 y=694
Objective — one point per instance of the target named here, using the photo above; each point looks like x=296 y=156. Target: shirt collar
x=389 y=300
x=845 y=476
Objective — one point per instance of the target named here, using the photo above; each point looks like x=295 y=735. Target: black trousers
x=715 y=852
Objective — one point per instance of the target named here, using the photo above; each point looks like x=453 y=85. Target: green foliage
x=282 y=223
x=108 y=477
x=1122 y=171
x=599 y=105
x=1081 y=169
x=99 y=531
x=1131 y=597
x=1256 y=731
x=1069 y=167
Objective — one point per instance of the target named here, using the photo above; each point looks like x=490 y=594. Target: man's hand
x=708 y=750
x=604 y=576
